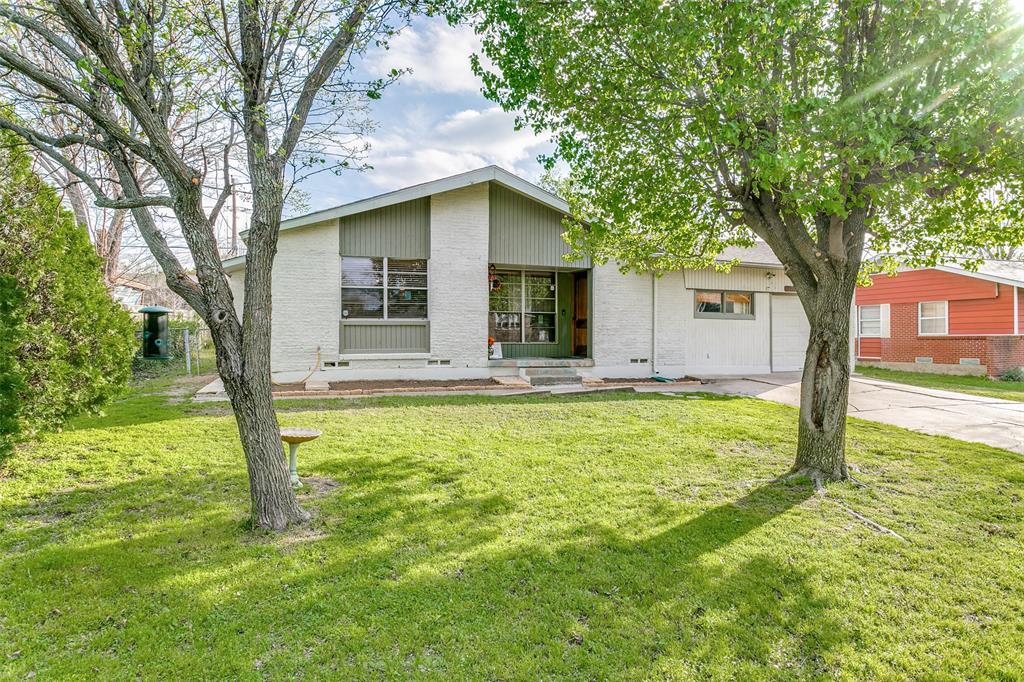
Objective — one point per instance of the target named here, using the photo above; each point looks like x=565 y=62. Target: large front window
x=523 y=307
x=383 y=288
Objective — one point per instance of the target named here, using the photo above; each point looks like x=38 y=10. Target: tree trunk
x=247 y=382
x=243 y=362
x=824 y=390
x=243 y=350
x=274 y=505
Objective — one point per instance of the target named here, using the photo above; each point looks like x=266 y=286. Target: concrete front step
x=555 y=380
x=550 y=372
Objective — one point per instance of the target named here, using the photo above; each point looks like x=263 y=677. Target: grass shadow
x=409 y=401
x=596 y=605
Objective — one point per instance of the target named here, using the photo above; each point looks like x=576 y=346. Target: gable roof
x=494 y=174
x=491 y=173
x=759 y=255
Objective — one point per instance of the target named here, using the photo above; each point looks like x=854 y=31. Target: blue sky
x=432 y=123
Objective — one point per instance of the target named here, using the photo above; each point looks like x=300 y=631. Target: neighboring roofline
x=132 y=284
x=426 y=189
x=967 y=273
x=234 y=263
x=981 y=275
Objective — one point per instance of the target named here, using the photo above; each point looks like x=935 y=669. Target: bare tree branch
x=328 y=62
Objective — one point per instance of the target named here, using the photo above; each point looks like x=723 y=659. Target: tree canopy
x=816 y=126
x=670 y=115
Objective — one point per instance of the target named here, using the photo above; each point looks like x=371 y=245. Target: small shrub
x=1015 y=374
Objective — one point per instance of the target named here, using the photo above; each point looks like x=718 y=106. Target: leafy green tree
x=65 y=345
x=815 y=126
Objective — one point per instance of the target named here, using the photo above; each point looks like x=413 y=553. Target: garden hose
x=303 y=380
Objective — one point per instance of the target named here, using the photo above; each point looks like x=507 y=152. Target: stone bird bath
x=294 y=438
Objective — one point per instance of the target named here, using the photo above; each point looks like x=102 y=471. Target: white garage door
x=789 y=333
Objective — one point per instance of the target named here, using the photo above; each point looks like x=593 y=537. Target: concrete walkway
x=991 y=421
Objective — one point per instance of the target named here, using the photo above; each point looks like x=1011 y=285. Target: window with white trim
x=932 y=318
x=523 y=307
x=383 y=288
x=870 y=321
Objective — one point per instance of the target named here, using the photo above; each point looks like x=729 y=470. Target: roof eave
x=232 y=264
x=754 y=264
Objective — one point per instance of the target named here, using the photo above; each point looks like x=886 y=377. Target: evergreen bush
x=65 y=345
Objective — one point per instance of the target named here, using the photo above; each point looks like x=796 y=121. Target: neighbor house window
x=724 y=304
x=870 y=321
x=932 y=318
x=523 y=307
x=383 y=288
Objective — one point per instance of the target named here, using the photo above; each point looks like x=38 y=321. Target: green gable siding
x=383 y=337
x=524 y=232
x=399 y=231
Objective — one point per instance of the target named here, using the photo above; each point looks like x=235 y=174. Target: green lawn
x=983 y=386
x=611 y=536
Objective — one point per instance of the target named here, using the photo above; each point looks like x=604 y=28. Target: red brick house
x=943 y=319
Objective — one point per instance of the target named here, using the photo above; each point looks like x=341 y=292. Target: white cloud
x=461 y=141
x=438 y=56
x=434 y=122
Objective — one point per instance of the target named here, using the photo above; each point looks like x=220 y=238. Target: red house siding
x=981 y=317
x=924 y=285
x=869 y=348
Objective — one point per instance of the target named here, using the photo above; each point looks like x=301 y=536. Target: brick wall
x=236 y=281
x=673 y=302
x=457 y=269
x=621 y=321
x=306 y=297
x=998 y=353
x=1004 y=352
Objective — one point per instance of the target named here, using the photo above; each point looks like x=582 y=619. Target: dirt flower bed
x=426 y=383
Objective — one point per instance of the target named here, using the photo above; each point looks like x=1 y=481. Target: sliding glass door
x=523 y=307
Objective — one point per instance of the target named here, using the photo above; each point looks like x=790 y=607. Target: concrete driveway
x=992 y=421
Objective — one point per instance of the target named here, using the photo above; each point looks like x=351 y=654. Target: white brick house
x=410 y=285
